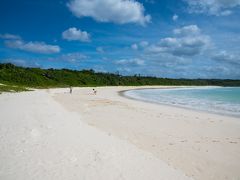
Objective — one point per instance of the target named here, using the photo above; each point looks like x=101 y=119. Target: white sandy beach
x=51 y=134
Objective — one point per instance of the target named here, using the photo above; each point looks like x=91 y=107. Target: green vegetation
x=8 y=88
x=46 y=78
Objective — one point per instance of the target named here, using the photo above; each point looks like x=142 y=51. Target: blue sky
x=164 y=38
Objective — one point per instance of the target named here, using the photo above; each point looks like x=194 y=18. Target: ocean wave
x=225 y=101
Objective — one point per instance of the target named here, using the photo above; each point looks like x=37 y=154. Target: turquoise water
x=221 y=100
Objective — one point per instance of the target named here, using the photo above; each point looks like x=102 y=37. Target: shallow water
x=220 y=100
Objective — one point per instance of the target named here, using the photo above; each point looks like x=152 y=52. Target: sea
x=219 y=100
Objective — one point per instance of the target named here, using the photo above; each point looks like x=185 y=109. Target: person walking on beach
x=94 y=91
x=70 y=89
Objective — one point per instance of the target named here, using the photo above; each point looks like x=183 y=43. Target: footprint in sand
x=183 y=141
x=233 y=142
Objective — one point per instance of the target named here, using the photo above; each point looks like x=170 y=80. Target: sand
x=202 y=145
x=51 y=134
x=39 y=140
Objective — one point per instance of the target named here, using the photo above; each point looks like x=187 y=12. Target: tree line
x=46 y=78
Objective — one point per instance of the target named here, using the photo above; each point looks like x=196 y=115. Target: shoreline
x=122 y=93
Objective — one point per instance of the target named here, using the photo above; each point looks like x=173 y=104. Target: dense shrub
x=42 y=78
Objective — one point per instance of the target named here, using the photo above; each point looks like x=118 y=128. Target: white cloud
x=175 y=17
x=187 y=30
x=100 y=49
x=190 y=42
x=116 y=11
x=21 y=62
x=71 y=57
x=36 y=47
x=130 y=62
x=74 y=34
x=143 y=44
x=16 y=42
x=227 y=57
x=212 y=7
x=9 y=36
x=139 y=45
x=226 y=13
x=134 y=46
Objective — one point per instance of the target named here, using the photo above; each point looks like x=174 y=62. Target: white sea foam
x=219 y=100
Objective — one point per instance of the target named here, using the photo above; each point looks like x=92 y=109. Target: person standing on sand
x=94 y=91
x=70 y=89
